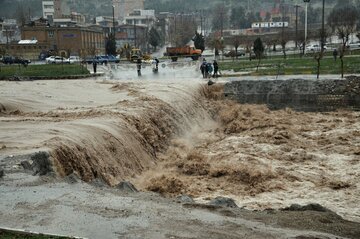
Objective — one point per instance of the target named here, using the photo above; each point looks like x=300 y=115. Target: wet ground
x=170 y=134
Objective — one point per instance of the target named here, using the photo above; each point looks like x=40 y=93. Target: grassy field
x=42 y=70
x=293 y=66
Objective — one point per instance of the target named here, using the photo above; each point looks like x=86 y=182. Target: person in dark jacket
x=138 y=66
x=94 y=65
x=203 y=68
x=335 y=54
x=216 y=68
x=209 y=70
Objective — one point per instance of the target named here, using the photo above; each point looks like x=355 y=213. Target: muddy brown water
x=184 y=138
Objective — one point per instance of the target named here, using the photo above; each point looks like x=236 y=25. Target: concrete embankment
x=299 y=94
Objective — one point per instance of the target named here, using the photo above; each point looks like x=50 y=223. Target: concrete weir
x=299 y=94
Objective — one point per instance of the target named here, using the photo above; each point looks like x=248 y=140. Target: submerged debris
x=223 y=202
x=126 y=186
x=184 y=199
x=42 y=164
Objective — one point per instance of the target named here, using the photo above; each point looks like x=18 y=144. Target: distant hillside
x=10 y=8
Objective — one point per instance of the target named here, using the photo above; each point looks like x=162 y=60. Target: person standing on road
x=138 y=66
x=209 y=70
x=216 y=68
x=94 y=65
x=155 y=65
x=203 y=68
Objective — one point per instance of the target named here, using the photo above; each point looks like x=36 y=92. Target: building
x=134 y=35
x=123 y=8
x=58 y=9
x=9 y=30
x=136 y=28
x=28 y=49
x=77 y=17
x=145 y=18
x=67 y=40
x=48 y=9
x=61 y=9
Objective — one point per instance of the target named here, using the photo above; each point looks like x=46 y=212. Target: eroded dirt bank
x=177 y=137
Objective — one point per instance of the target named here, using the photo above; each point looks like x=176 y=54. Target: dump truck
x=185 y=51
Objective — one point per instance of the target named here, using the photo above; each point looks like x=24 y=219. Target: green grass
x=4 y=234
x=293 y=66
x=42 y=70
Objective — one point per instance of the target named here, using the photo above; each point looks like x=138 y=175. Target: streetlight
x=296 y=26
x=306 y=7
x=323 y=27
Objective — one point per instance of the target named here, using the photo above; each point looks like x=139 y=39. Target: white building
x=269 y=24
x=8 y=30
x=48 y=9
x=140 y=17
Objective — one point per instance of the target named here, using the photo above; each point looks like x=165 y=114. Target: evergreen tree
x=258 y=50
x=111 y=45
x=199 y=41
x=154 y=38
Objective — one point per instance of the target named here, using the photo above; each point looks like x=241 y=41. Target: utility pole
x=7 y=36
x=134 y=33
x=113 y=12
x=305 y=39
x=283 y=13
x=201 y=22
x=296 y=26
x=175 y=35
x=323 y=27
x=147 y=34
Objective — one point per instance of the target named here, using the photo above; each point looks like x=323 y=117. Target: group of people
x=209 y=70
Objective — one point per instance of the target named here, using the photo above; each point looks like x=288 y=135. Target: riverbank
x=66 y=145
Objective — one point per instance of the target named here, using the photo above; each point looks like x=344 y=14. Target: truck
x=136 y=53
x=184 y=51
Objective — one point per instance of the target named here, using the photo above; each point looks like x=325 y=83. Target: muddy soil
x=170 y=138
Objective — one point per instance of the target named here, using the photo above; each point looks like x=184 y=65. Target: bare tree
x=236 y=43
x=270 y=43
x=182 y=29
x=343 y=23
x=318 y=56
x=284 y=38
x=216 y=43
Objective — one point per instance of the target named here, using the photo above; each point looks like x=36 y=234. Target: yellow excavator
x=137 y=53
